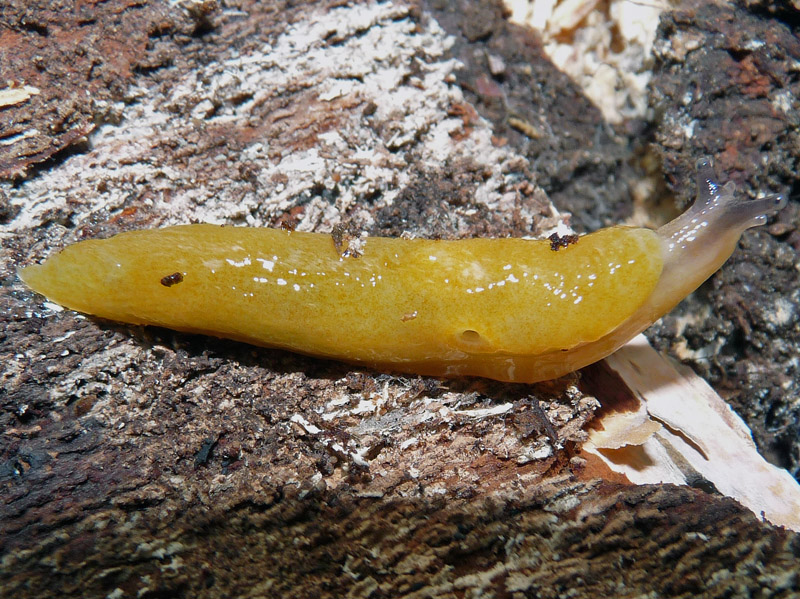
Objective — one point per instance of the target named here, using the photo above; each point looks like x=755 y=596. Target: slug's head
x=701 y=239
x=718 y=216
x=739 y=213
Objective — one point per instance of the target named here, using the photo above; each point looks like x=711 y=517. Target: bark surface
x=138 y=462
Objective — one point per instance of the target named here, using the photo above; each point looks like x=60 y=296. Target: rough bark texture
x=726 y=86
x=81 y=56
x=532 y=104
x=146 y=463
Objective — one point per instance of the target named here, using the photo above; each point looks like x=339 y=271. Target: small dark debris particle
x=337 y=233
x=202 y=456
x=369 y=109
x=465 y=111
x=342 y=239
x=84 y=405
x=534 y=420
x=172 y=279
x=557 y=241
x=698 y=481
x=23 y=412
x=288 y=221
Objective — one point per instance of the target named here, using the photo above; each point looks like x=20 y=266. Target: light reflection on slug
x=507 y=309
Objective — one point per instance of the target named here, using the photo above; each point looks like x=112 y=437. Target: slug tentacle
x=701 y=239
x=707 y=186
x=508 y=309
x=721 y=206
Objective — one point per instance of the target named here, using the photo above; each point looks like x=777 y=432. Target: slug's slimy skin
x=506 y=309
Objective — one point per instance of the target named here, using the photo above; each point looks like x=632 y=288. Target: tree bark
x=140 y=462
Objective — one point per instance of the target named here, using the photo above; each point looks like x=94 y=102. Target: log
x=140 y=462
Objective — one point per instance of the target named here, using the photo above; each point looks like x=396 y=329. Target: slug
x=513 y=310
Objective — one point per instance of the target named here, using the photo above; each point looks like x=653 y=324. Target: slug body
x=506 y=309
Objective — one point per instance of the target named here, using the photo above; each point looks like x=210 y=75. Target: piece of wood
x=682 y=432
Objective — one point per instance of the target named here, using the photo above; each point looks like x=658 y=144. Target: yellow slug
x=507 y=309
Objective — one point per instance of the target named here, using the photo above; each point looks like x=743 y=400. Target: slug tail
x=32 y=277
x=45 y=280
x=65 y=278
